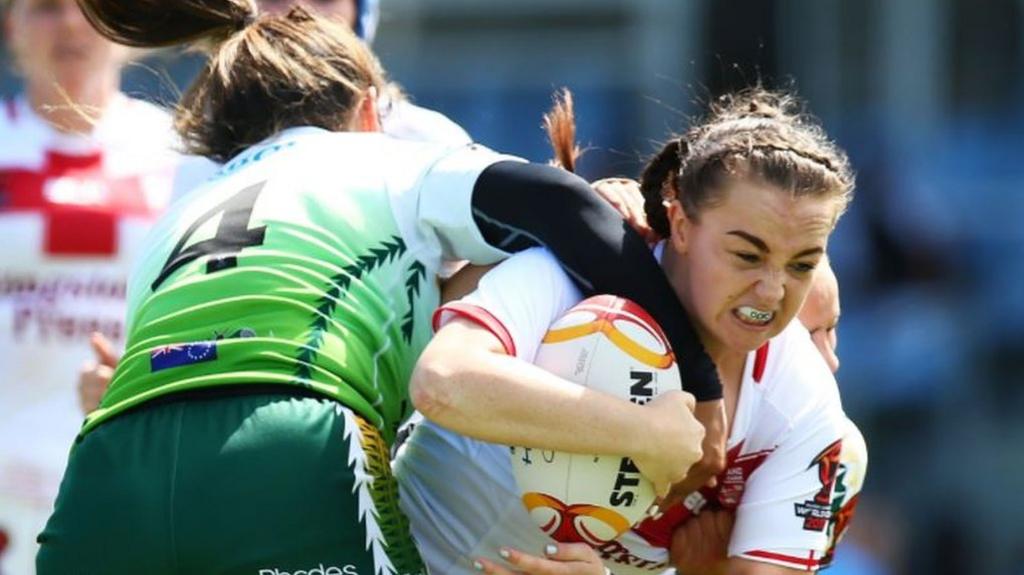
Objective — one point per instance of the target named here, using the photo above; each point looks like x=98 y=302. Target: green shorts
x=257 y=484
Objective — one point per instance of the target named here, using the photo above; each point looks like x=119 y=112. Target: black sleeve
x=518 y=206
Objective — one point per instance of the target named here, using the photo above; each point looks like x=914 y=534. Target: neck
x=72 y=108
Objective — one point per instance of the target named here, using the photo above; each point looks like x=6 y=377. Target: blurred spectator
x=83 y=168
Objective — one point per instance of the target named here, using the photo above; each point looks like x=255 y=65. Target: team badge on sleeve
x=853 y=466
x=817 y=512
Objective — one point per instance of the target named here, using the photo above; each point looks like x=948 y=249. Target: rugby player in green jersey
x=275 y=319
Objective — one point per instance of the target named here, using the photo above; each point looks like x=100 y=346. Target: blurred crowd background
x=924 y=95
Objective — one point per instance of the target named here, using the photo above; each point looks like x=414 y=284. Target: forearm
x=501 y=399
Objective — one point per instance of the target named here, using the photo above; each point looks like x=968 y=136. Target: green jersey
x=308 y=260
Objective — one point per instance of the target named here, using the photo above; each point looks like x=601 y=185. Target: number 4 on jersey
x=233 y=234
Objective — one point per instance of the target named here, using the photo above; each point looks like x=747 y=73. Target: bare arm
x=465 y=382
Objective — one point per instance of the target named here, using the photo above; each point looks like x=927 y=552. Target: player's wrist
x=649 y=426
x=666 y=439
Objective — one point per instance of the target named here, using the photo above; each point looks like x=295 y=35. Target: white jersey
x=407 y=121
x=794 y=470
x=461 y=496
x=73 y=209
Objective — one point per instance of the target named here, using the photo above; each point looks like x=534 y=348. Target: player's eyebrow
x=761 y=245
x=809 y=252
x=758 y=242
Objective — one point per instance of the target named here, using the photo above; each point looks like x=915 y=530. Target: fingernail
x=478 y=566
x=504 y=553
x=550 y=549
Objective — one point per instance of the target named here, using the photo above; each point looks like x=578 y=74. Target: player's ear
x=367 y=118
x=680 y=225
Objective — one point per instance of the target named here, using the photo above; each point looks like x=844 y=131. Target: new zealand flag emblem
x=179 y=354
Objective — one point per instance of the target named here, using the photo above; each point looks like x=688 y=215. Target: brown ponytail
x=560 y=124
x=658 y=178
x=158 y=23
x=264 y=74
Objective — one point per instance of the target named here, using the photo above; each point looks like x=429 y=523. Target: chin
x=748 y=342
x=752 y=344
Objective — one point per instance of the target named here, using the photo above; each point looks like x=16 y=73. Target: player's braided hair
x=265 y=73
x=755 y=133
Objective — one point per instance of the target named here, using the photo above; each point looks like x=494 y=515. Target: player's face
x=53 y=42
x=820 y=313
x=343 y=9
x=745 y=266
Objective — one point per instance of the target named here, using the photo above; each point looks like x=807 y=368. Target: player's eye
x=802 y=268
x=748 y=257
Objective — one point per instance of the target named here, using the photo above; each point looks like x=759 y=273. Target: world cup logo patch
x=817 y=512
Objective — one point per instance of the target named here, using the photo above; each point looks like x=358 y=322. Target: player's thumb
x=104 y=351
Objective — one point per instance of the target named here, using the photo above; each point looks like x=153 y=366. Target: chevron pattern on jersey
x=388 y=251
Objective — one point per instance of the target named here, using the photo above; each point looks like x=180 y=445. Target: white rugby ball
x=610 y=344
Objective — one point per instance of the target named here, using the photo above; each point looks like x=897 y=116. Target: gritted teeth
x=754 y=315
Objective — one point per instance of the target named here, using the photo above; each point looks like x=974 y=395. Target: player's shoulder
x=407 y=121
x=533 y=258
x=533 y=279
x=373 y=150
x=533 y=270
x=378 y=151
x=792 y=374
x=526 y=293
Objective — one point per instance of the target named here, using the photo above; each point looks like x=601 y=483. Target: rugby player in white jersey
x=700 y=543
x=83 y=169
x=747 y=201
